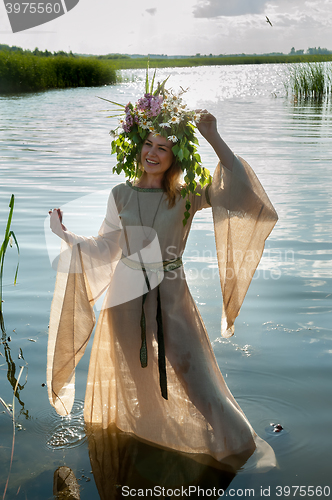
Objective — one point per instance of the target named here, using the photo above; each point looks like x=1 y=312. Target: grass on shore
x=27 y=72
x=129 y=63
x=24 y=71
x=310 y=81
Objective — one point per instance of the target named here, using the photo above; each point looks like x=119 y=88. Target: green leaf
x=186 y=217
x=186 y=153
x=112 y=102
x=175 y=149
x=152 y=83
x=180 y=154
x=4 y=245
x=18 y=253
x=147 y=79
x=191 y=175
x=161 y=87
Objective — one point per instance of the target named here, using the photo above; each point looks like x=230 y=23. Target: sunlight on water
x=55 y=149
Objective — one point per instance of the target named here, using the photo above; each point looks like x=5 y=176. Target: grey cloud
x=215 y=8
x=151 y=11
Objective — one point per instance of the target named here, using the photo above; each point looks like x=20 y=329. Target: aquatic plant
x=309 y=80
x=12 y=414
x=8 y=240
x=27 y=72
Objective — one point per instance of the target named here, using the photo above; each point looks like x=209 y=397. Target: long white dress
x=200 y=415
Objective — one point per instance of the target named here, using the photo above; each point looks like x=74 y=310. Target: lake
x=55 y=149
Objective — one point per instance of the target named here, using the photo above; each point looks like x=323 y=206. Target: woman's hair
x=172 y=182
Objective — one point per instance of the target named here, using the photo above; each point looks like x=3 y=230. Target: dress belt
x=166 y=265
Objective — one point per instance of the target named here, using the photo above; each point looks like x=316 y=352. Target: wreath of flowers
x=161 y=112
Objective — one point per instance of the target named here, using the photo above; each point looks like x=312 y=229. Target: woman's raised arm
x=208 y=128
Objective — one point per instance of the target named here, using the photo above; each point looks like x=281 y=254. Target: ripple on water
x=271 y=410
x=61 y=432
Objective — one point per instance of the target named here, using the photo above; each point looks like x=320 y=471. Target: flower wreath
x=161 y=112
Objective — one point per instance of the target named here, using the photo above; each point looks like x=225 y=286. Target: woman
x=152 y=370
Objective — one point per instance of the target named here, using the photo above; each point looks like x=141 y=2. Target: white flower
x=197 y=117
x=164 y=125
x=145 y=124
x=172 y=138
x=174 y=119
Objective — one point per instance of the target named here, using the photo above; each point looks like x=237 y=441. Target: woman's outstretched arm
x=208 y=128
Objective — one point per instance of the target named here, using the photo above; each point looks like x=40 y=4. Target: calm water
x=55 y=149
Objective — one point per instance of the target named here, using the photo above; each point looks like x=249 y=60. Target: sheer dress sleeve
x=84 y=272
x=243 y=218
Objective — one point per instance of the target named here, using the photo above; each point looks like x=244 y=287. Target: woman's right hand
x=56 y=222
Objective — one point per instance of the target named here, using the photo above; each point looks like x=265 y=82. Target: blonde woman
x=153 y=373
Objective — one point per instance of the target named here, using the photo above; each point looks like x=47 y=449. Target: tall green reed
x=27 y=72
x=309 y=80
x=8 y=240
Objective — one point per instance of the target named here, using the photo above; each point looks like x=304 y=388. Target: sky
x=180 y=27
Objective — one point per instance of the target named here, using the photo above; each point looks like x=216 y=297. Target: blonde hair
x=172 y=183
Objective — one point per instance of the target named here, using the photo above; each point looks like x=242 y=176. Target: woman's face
x=156 y=155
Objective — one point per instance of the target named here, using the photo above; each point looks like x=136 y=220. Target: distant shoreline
x=26 y=71
x=136 y=63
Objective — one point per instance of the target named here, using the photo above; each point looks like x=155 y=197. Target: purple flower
x=144 y=102
x=155 y=105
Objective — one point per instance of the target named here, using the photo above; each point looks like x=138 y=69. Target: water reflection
x=12 y=377
x=312 y=118
x=120 y=463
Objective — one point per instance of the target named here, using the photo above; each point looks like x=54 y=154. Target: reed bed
x=310 y=81
x=27 y=72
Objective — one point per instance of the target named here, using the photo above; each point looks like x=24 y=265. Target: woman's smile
x=151 y=161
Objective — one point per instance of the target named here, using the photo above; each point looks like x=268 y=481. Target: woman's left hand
x=208 y=128
x=207 y=124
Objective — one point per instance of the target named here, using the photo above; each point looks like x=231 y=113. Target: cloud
x=216 y=8
x=151 y=11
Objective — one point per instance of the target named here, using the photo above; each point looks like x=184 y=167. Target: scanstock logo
x=129 y=254
x=24 y=15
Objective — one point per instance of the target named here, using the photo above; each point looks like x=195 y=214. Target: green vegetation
x=9 y=237
x=141 y=62
x=310 y=81
x=21 y=72
x=25 y=70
